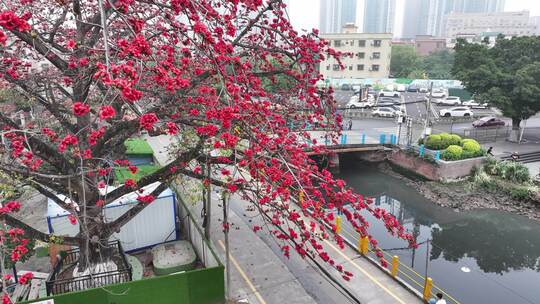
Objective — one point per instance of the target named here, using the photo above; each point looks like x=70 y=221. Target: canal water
x=480 y=256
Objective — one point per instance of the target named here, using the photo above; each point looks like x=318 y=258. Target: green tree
x=507 y=75
x=439 y=65
x=404 y=61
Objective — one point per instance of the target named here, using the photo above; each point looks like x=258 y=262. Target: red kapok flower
x=71 y=44
x=172 y=129
x=147 y=199
x=107 y=112
x=80 y=109
x=72 y=219
x=26 y=278
x=148 y=120
x=130 y=183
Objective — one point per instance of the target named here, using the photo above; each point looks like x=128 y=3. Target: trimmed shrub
x=433 y=142
x=453 y=152
x=445 y=140
x=471 y=145
x=454 y=139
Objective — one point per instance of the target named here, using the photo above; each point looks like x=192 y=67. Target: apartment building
x=368 y=55
x=426 y=44
x=507 y=23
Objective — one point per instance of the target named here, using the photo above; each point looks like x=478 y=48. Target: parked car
x=401 y=88
x=489 y=121
x=450 y=100
x=389 y=100
x=412 y=89
x=438 y=93
x=456 y=112
x=475 y=105
x=388 y=93
x=384 y=112
x=422 y=90
x=354 y=103
x=346 y=87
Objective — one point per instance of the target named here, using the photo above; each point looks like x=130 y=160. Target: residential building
x=506 y=23
x=425 y=17
x=426 y=45
x=379 y=16
x=334 y=14
x=369 y=55
x=535 y=21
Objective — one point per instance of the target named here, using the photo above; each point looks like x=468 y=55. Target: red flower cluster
x=26 y=278
x=68 y=140
x=95 y=135
x=130 y=183
x=50 y=133
x=136 y=48
x=9 y=207
x=107 y=112
x=147 y=199
x=148 y=120
x=80 y=109
x=172 y=129
x=72 y=219
x=10 y=21
x=3 y=38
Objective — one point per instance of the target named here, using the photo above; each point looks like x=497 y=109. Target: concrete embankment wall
x=434 y=170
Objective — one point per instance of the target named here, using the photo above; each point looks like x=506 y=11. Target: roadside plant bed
x=66 y=276
x=453 y=147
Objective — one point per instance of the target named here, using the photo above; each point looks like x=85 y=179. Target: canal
x=480 y=256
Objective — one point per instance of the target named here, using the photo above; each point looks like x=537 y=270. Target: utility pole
x=208 y=204
x=427 y=127
x=227 y=254
x=427 y=258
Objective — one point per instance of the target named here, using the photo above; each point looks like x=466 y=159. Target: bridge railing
x=351 y=138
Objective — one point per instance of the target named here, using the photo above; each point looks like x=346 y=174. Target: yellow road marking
x=365 y=273
x=243 y=274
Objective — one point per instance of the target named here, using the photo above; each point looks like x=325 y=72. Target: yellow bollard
x=363 y=244
x=427 y=289
x=301 y=198
x=338 y=224
x=395 y=265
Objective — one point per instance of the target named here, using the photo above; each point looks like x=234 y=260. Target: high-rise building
x=334 y=14
x=426 y=17
x=507 y=23
x=379 y=16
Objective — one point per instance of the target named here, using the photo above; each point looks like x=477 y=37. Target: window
x=361 y=43
x=328 y=67
x=350 y=68
x=335 y=67
x=375 y=67
x=359 y=67
x=361 y=55
x=376 y=55
x=377 y=43
x=337 y=43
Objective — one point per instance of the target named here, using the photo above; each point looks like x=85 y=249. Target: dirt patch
x=461 y=196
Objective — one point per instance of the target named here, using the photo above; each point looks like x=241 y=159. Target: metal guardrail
x=59 y=286
x=404 y=274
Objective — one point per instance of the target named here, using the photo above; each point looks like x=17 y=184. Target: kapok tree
x=99 y=72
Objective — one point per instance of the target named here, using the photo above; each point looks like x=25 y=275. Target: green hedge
x=453 y=152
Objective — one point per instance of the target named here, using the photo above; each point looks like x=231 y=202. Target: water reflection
x=501 y=249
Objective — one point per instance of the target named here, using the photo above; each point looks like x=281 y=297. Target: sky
x=304 y=14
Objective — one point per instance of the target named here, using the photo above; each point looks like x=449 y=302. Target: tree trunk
x=514 y=134
x=94 y=249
